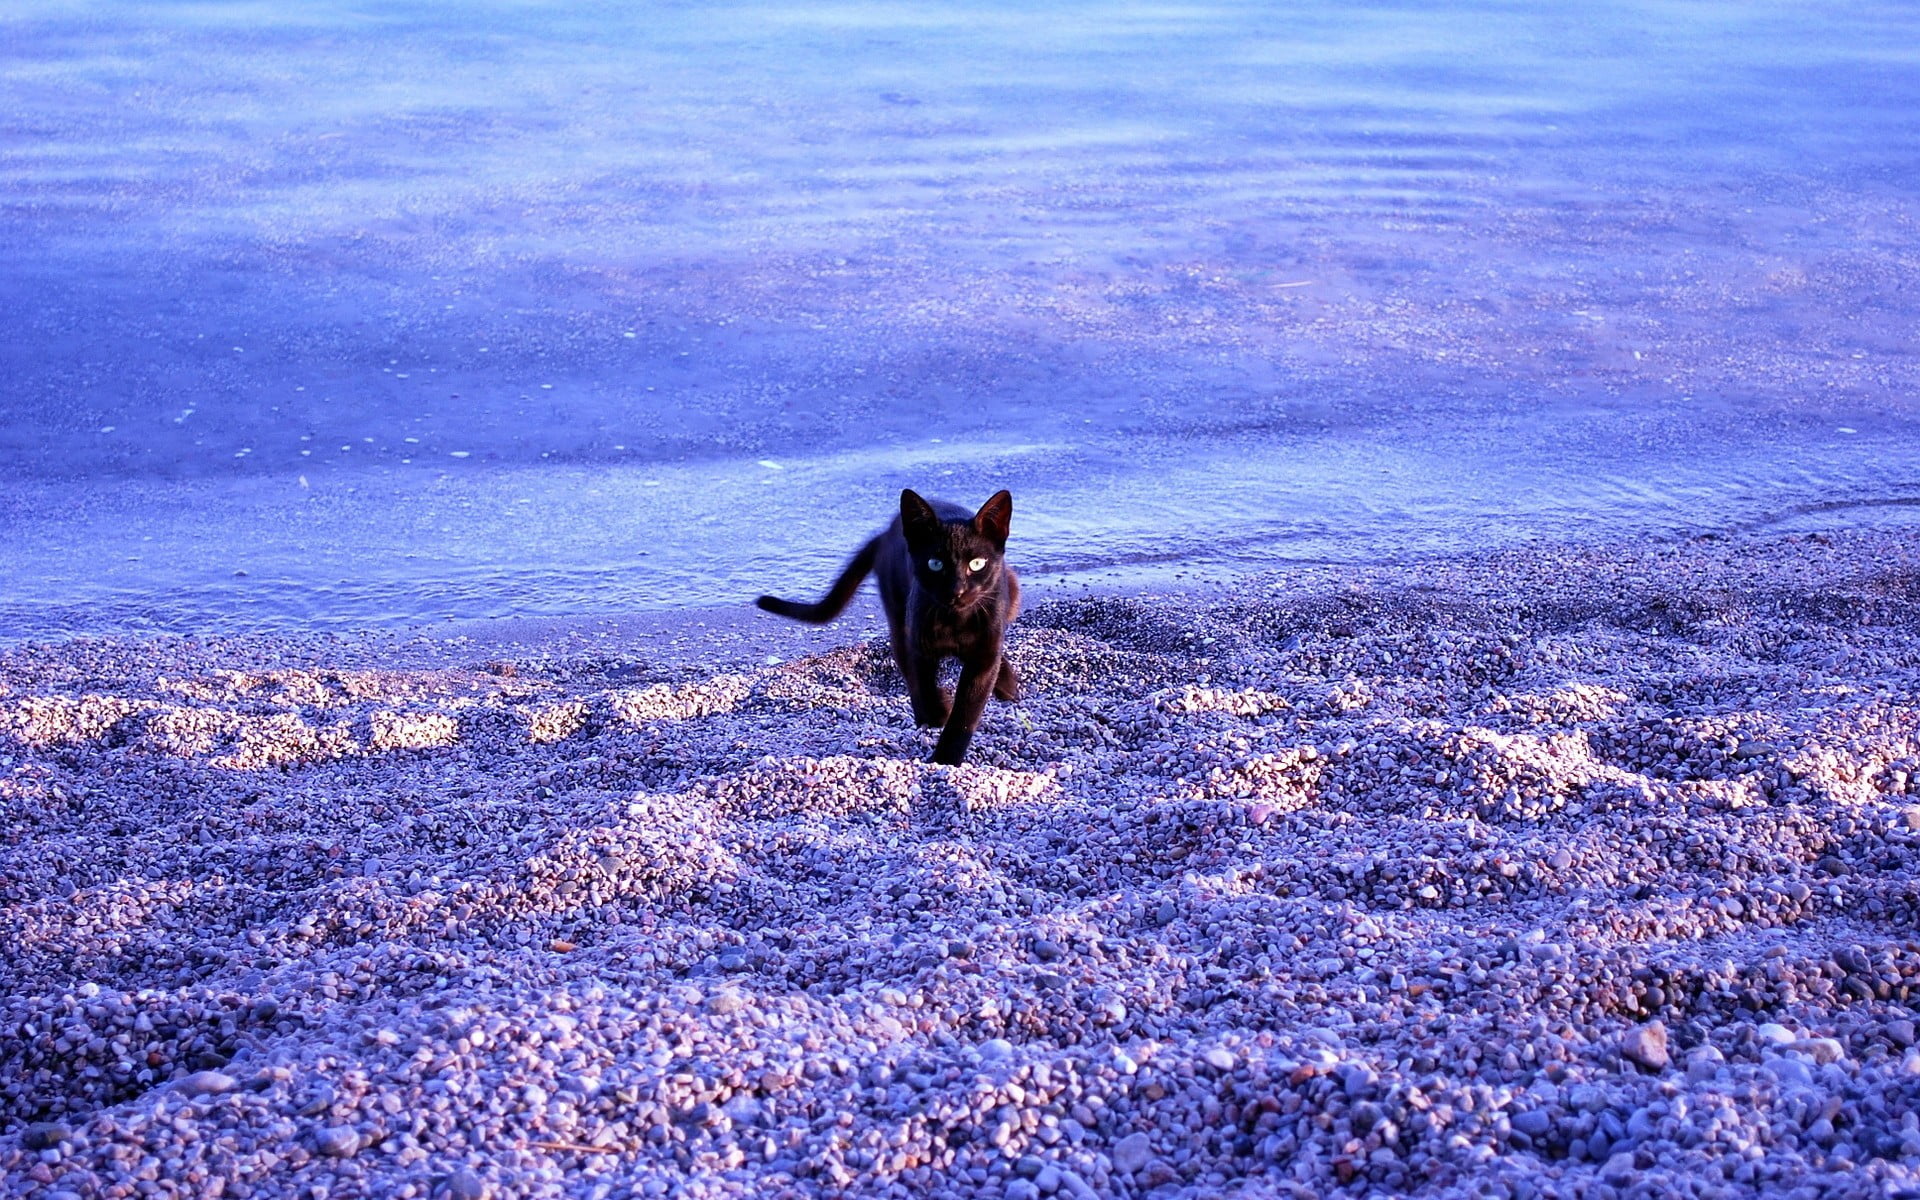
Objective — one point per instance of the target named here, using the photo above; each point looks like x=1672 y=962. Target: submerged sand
x=1561 y=872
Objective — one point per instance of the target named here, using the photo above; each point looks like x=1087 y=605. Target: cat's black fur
x=937 y=608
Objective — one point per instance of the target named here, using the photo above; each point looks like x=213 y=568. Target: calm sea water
x=362 y=314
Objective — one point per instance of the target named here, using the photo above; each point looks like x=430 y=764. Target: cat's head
x=958 y=561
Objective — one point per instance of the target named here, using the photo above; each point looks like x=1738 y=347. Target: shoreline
x=1571 y=870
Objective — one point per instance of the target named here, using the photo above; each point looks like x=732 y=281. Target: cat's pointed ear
x=917 y=517
x=995 y=518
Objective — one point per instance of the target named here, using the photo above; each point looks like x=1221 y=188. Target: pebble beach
x=1557 y=872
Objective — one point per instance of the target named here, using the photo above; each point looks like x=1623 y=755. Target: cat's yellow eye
x=978 y=564
x=934 y=564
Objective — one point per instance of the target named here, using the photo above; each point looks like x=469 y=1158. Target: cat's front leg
x=969 y=701
x=930 y=705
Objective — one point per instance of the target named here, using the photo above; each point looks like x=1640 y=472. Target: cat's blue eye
x=978 y=564
x=934 y=564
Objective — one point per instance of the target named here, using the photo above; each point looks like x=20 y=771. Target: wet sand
x=1564 y=872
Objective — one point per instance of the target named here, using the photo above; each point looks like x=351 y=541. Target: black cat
x=948 y=592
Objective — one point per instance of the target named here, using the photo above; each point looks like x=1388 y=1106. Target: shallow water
x=367 y=315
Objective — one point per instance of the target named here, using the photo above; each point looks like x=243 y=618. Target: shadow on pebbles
x=1565 y=873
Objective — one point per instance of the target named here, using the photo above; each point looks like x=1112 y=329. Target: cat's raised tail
x=835 y=601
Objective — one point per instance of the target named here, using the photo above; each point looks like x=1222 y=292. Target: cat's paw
x=949 y=753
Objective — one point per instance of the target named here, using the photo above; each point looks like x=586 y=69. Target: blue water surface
x=343 y=315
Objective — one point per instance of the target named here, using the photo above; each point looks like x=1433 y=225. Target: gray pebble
x=208 y=1083
x=1820 y=1049
x=1704 y=1063
x=337 y=1141
x=1132 y=1153
x=44 y=1135
x=465 y=1185
x=1647 y=1046
x=1619 y=1169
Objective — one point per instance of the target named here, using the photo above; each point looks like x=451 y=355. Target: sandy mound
x=1562 y=873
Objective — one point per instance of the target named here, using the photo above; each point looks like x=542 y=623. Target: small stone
x=1641 y=1125
x=725 y=1001
x=208 y=1083
x=1048 y=1180
x=44 y=1135
x=319 y=1101
x=1022 y=1189
x=1776 y=1035
x=1703 y=1063
x=1831 y=865
x=1357 y=1080
x=1535 y=1122
x=1900 y=1032
x=1220 y=1058
x=1619 y=1169
x=1027 y=1167
x=995 y=1049
x=1165 y=914
x=1647 y=1046
x=1789 y=1072
x=1822 y=1050
x=1048 y=951
x=465 y=1185
x=1561 y=860
x=337 y=1141
x=1132 y=1153
x=1158 y=1174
